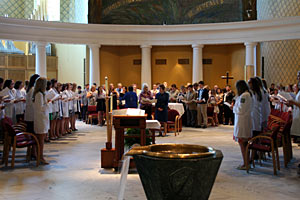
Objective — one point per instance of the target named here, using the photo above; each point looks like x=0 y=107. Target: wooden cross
x=227 y=77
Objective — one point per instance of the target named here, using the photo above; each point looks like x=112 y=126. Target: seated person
x=131 y=100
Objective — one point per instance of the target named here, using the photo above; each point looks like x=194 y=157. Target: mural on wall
x=157 y=12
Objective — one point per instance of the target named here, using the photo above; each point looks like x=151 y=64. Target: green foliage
x=129 y=141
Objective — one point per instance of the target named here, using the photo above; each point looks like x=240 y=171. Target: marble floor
x=75 y=173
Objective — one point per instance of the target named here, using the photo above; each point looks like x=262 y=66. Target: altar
x=122 y=120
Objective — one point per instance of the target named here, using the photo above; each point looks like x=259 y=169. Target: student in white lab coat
x=65 y=108
x=265 y=109
x=29 y=114
x=59 y=124
x=76 y=106
x=256 y=113
x=19 y=101
x=41 y=114
x=243 y=124
x=55 y=108
x=9 y=101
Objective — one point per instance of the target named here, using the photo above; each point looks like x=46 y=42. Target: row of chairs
x=15 y=136
x=276 y=135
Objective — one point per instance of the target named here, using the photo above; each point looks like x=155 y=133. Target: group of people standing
x=47 y=107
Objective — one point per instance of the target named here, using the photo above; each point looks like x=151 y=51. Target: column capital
x=41 y=44
x=250 y=44
x=94 y=45
x=146 y=46
x=197 y=46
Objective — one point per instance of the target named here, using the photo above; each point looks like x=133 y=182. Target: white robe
x=29 y=114
x=295 y=130
x=9 y=106
x=256 y=113
x=20 y=105
x=41 y=115
x=65 y=104
x=243 y=121
x=266 y=108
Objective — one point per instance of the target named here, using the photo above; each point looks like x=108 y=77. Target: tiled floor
x=75 y=173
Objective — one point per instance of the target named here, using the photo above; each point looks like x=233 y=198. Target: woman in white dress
x=19 y=101
x=41 y=115
x=9 y=100
x=29 y=114
x=242 y=126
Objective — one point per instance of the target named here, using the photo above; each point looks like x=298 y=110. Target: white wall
x=71 y=63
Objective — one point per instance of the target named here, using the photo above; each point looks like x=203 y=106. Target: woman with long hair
x=266 y=109
x=75 y=108
x=29 y=114
x=257 y=98
x=144 y=99
x=242 y=110
x=101 y=107
x=59 y=120
x=41 y=115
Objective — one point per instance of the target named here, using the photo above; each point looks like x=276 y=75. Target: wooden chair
x=16 y=138
x=92 y=114
x=256 y=144
x=173 y=121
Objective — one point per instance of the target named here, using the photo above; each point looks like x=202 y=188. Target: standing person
x=76 y=106
x=1 y=83
x=202 y=106
x=220 y=98
x=272 y=88
x=182 y=96
x=266 y=108
x=72 y=97
x=191 y=107
x=256 y=111
x=154 y=90
x=161 y=106
x=130 y=98
x=228 y=105
x=114 y=94
x=65 y=108
x=242 y=110
x=144 y=99
x=79 y=94
x=19 y=101
x=41 y=116
x=48 y=95
x=59 y=124
x=85 y=102
x=29 y=114
x=119 y=88
x=101 y=107
x=9 y=102
x=213 y=101
x=295 y=129
x=173 y=93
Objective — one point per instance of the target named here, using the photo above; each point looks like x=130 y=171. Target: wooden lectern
x=110 y=157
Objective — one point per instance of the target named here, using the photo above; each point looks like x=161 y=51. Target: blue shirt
x=130 y=100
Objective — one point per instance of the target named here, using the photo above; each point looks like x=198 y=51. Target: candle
x=111 y=101
x=106 y=85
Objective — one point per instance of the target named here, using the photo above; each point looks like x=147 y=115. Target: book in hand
x=149 y=100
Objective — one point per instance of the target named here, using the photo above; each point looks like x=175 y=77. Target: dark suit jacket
x=204 y=95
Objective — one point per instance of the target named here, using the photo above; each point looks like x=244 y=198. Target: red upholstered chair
x=257 y=143
x=210 y=115
x=92 y=114
x=173 y=121
x=15 y=137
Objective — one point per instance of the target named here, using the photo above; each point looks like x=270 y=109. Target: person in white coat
x=65 y=108
x=29 y=114
x=265 y=104
x=9 y=99
x=295 y=129
x=19 y=101
x=41 y=115
x=256 y=113
x=243 y=123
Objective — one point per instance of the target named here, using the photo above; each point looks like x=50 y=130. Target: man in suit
x=202 y=106
x=228 y=105
x=191 y=106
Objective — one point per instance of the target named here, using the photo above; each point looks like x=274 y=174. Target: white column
x=250 y=65
x=41 y=59
x=197 y=62
x=94 y=64
x=146 y=65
